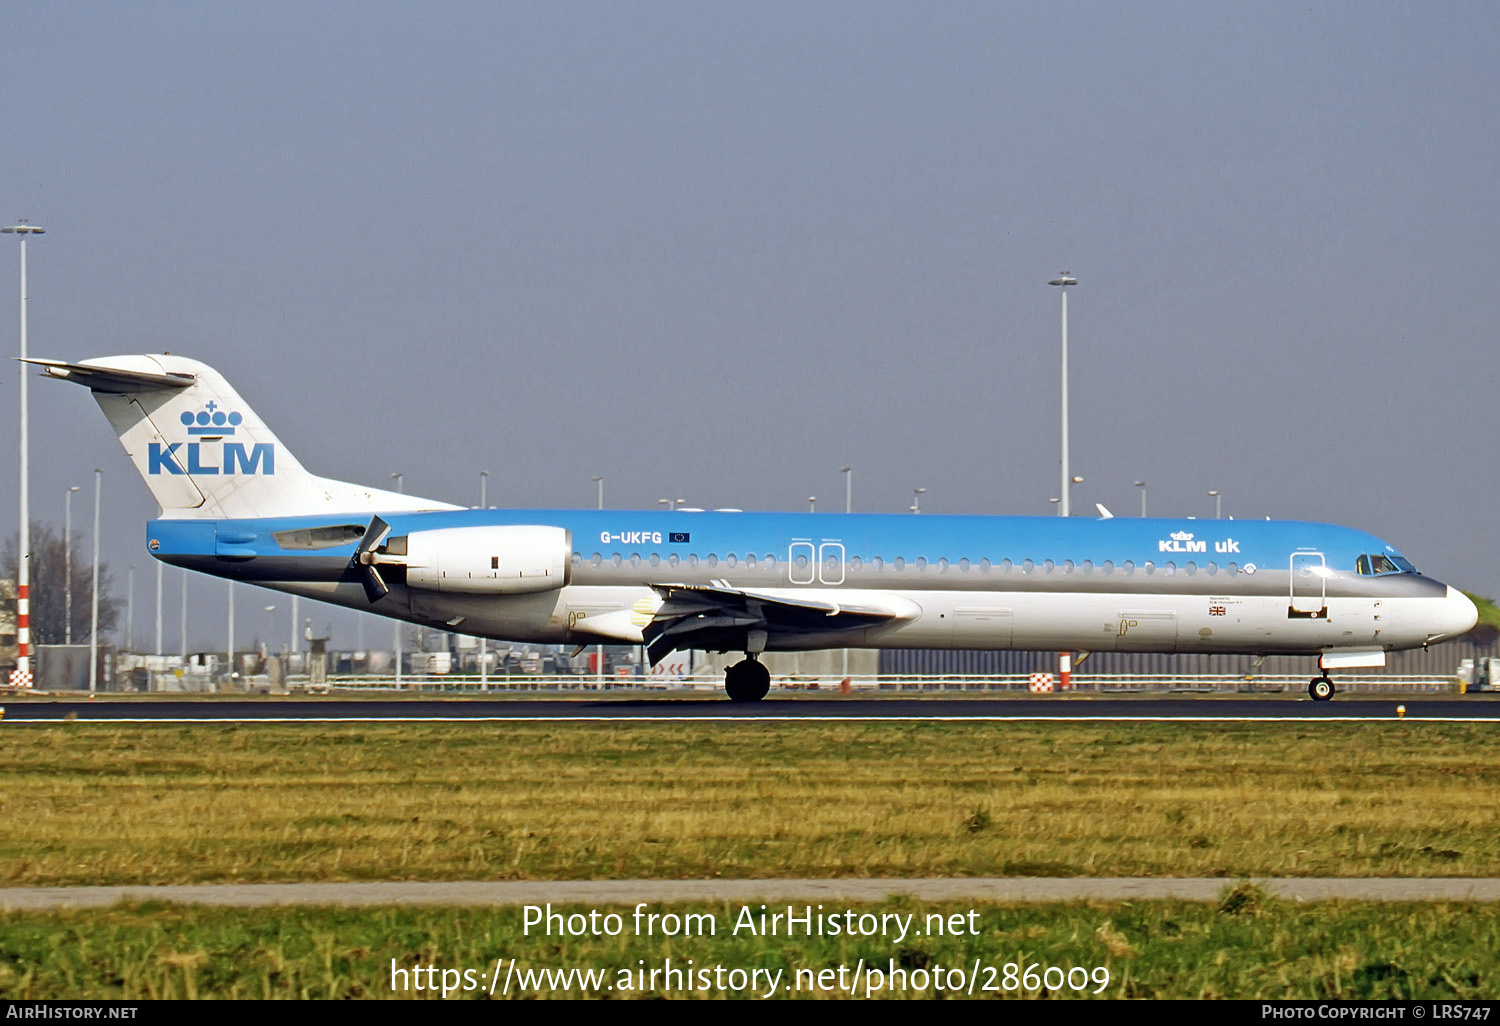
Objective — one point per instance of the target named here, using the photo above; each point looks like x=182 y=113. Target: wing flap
x=721 y=617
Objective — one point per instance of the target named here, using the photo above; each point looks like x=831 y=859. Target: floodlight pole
x=1065 y=509
x=1142 y=486
x=1065 y=504
x=157 y=649
x=396 y=629
x=848 y=473
x=484 y=643
x=21 y=677
x=94 y=591
x=230 y=645
x=599 y=649
x=130 y=609
x=68 y=564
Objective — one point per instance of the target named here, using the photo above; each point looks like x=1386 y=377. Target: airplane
x=235 y=503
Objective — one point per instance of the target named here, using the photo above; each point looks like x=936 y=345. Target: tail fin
x=202 y=450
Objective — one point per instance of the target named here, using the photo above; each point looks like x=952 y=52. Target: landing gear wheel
x=747 y=681
x=1321 y=689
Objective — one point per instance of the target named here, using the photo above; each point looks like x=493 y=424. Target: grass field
x=1245 y=947
x=95 y=803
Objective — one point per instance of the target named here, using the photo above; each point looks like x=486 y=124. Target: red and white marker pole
x=21 y=677
x=1064 y=671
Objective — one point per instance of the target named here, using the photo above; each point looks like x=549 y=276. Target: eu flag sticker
x=678 y=537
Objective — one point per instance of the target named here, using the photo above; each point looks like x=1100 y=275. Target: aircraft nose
x=1459 y=613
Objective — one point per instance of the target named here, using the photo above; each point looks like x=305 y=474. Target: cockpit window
x=1378 y=564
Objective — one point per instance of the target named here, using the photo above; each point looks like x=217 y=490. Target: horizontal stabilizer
x=116 y=380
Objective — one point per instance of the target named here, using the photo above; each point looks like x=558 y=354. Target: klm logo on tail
x=212 y=425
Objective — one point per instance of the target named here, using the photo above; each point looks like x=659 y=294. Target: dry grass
x=94 y=803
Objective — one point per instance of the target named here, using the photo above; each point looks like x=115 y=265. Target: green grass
x=1244 y=947
x=91 y=803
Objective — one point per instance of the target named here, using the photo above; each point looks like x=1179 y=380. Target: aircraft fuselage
x=983 y=582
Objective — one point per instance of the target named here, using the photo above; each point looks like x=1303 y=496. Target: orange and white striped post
x=21 y=677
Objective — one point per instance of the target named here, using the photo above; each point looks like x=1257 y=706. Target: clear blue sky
x=717 y=251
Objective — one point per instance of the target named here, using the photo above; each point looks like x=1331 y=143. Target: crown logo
x=211 y=421
x=1182 y=536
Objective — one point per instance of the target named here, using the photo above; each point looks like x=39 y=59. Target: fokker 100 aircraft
x=235 y=503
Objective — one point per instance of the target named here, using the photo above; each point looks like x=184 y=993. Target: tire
x=747 y=681
x=1321 y=689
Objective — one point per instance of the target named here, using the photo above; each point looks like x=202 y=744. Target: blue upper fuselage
x=865 y=536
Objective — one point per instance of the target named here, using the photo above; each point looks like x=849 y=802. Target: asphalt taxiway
x=629 y=892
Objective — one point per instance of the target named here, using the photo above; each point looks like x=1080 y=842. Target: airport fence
x=1119 y=683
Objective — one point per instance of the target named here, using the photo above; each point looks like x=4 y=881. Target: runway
x=630 y=892
x=836 y=708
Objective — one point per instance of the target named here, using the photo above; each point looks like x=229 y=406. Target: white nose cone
x=1459 y=613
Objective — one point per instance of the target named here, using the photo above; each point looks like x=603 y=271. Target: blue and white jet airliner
x=235 y=503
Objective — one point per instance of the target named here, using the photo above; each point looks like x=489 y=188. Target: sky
x=716 y=251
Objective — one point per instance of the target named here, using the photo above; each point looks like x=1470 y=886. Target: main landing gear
x=747 y=680
x=1321 y=689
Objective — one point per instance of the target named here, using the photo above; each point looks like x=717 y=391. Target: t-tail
x=202 y=450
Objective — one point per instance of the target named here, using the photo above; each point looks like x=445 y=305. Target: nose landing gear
x=747 y=680
x=1321 y=689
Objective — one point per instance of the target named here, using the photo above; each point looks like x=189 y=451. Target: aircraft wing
x=722 y=618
